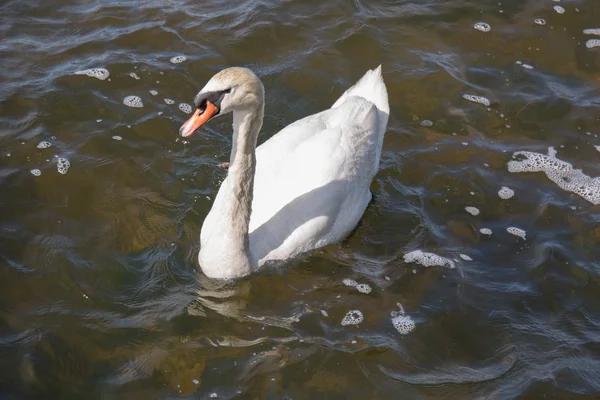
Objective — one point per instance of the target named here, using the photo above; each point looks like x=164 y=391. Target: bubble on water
x=117 y=137
x=214 y=395
x=540 y=21
x=516 y=231
x=195 y=381
x=363 y=288
x=153 y=92
x=560 y=172
x=324 y=313
x=133 y=101
x=427 y=259
x=36 y=172
x=349 y=282
x=527 y=66
x=178 y=59
x=62 y=165
x=169 y=101
x=426 y=122
x=482 y=26
x=485 y=231
x=134 y=76
x=597 y=148
x=506 y=193
x=44 y=144
x=476 y=99
x=465 y=257
x=559 y=9
x=186 y=108
x=354 y=317
x=593 y=31
x=403 y=324
x=472 y=210
x=590 y=44
x=98 y=73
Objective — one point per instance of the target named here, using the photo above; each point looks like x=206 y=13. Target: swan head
x=232 y=89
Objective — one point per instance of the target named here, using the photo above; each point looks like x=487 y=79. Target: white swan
x=304 y=188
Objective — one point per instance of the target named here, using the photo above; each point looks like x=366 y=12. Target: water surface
x=100 y=293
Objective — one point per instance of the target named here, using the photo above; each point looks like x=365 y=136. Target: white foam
x=485 y=231
x=597 y=148
x=62 y=165
x=178 y=59
x=592 y=31
x=560 y=172
x=590 y=44
x=186 y=108
x=133 y=101
x=465 y=257
x=427 y=259
x=506 y=193
x=117 y=137
x=472 y=210
x=44 y=144
x=36 y=172
x=354 y=317
x=527 y=66
x=476 y=99
x=559 y=9
x=324 y=313
x=482 y=26
x=153 y=92
x=134 y=76
x=516 y=231
x=426 y=122
x=403 y=324
x=169 y=101
x=363 y=288
x=540 y=21
x=349 y=282
x=98 y=73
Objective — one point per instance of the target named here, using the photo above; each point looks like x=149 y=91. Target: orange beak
x=198 y=119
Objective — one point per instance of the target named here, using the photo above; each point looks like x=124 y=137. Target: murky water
x=101 y=204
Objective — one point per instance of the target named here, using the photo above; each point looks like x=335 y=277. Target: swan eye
x=227 y=90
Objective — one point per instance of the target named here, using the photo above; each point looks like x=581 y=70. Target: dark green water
x=100 y=292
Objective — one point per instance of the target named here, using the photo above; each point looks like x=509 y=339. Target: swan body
x=304 y=188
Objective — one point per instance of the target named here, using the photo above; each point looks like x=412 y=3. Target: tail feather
x=371 y=87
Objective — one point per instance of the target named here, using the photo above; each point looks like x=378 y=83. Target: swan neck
x=240 y=180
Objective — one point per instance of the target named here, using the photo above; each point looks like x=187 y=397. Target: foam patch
x=363 y=288
x=186 y=108
x=590 y=44
x=506 y=193
x=403 y=323
x=593 y=31
x=44 y=144
x=427 y=259
x=540 y=21
x=349 y=282
x=98 y=73
x=36 y=172
x=558 y=171
x=482 y=27
x=477 y=99
x=178 y=59
x=354 y=317
x=485 y=231
x=465 y=257
x=62 y=165
x=517 y=232
x=133 y=101
x=472 y=210
x=169 y=101
x=559 y=9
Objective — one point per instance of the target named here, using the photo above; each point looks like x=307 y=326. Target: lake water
x=100 y=292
